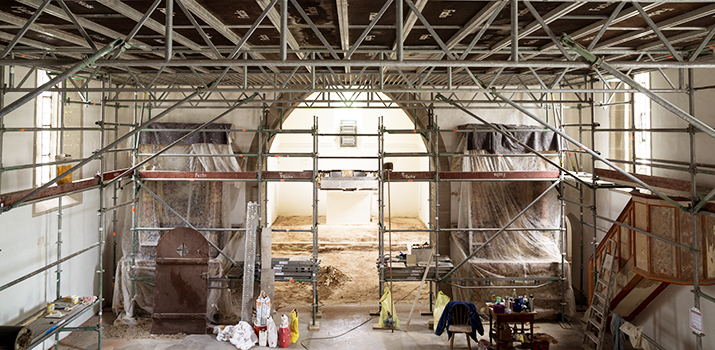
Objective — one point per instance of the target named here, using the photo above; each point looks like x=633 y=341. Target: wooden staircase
x=644 y=266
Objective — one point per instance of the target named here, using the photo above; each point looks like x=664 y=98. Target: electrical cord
x=335 y=336
x=408 y=294
x=352 y=329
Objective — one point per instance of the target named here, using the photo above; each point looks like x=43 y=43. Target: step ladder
x=597 y=314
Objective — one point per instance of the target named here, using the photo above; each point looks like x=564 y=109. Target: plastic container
x=259 y=328
x=283 y=337
x=61 y=168
x=263 y=338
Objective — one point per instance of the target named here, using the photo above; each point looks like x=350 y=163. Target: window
x=625 y=146
x=54 y=145
x=619 y=117
x=641 y=108
x=348 y=127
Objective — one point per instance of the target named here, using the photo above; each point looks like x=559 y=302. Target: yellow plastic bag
x=387 y=319
x=439 y=305
x=294 y=326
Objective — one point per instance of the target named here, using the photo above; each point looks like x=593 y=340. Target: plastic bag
x=387 y=319
x=294 y=326
x=272 y=333
x=439 y=305
x=243 y=337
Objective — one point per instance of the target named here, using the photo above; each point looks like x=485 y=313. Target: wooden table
x=495 y=320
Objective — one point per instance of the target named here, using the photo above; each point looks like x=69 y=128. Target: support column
x=694 y=202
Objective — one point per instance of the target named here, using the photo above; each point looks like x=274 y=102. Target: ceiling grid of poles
x=291 y=46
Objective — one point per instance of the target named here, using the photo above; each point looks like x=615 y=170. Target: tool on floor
x=419 y=291
x=597 y=313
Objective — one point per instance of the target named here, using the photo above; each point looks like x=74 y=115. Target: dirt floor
x=348 y=256
x=142 y=330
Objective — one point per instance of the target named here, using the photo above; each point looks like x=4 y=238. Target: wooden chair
x=460 y=324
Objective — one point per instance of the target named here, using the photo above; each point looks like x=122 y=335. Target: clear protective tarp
x=203 y=204
x=531 y=245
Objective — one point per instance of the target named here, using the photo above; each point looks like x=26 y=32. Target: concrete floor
x=335 y=321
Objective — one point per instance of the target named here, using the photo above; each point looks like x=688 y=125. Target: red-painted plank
x=218 y=175
x=52 y=191
x=288 y=175
x=498 y=175
x=655 y=181
x=474 y=175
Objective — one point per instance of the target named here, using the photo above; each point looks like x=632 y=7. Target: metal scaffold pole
x=594 y=185
x=694 y=202
x=60 y=150
x=381 y=207
x=100 y=231
x=314 y=259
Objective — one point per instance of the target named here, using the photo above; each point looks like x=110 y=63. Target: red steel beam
x=474 y=175
x=55 y=191
x=655 y=181
x=213 y=175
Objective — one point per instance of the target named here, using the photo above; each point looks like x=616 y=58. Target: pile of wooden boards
x=293 y=269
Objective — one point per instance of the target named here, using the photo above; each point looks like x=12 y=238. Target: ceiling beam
x=532 y=27
x=33 y=43
x=594 y=28
x=705 y=11
x=39 y=28
x=81 y=30
x=55 y=33
x=216 y=24
x=87 y=24
x=24 y=29
x=407 y=27
x=474 y=23
x=687 y=36
x=135 y=15
x=275 y=18
x=344 y=26
x=411 y=20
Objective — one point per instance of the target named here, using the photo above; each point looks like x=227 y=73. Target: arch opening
x=348 y=220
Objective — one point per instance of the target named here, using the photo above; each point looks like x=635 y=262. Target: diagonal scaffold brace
x=117 y=44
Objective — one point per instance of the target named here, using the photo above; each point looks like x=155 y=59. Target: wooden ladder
x=597 y=313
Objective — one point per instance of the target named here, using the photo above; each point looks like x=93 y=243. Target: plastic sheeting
x=527 y=253
x=204 y=204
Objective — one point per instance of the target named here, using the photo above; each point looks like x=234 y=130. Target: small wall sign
x=696 y=321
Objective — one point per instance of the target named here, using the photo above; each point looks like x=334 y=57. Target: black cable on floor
x=335 y=336
x=408 y=294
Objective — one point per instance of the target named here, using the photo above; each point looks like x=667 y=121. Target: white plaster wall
x=408 y=199
x=28 y=243
x=666 y=318
x=348 y=208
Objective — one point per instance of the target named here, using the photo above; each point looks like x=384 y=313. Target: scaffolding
x=458 y=81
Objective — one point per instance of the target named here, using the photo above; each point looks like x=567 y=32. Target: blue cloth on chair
x=618 y=341
x=448 y=318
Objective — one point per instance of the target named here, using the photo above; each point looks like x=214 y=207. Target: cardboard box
x=422 y=254
x=411 y=260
